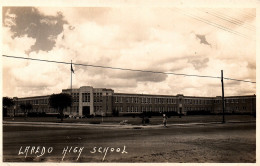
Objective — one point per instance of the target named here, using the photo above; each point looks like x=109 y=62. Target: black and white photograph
x=135 y=83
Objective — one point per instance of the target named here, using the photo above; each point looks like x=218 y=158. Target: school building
x=105 y=102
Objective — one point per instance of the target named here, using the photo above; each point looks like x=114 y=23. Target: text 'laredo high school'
x=101 y=101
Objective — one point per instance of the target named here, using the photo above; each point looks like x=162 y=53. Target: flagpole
x=71 y=84
x=71 y=79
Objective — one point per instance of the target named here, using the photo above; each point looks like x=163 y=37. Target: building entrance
x=86 y=110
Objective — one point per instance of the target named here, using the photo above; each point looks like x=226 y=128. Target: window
x=85 y=97
x=136 y=99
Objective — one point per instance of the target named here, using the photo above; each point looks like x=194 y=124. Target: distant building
x=101 y=101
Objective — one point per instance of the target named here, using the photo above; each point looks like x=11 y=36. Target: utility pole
x=71 y=71
x=223 y=100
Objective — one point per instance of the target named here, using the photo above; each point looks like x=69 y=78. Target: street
x=214 y=143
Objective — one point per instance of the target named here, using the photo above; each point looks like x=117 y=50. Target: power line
x=234 y=19
x=238 y=80
x=230 y=20
x=125 y=69
x=215 y=25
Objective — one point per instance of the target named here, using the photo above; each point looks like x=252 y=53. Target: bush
x=51 y=115
x=36 y=114
x=64 y=116
x=198 y=112
x=90 y=116
x=145 y=120
x=94 y=122
x=115 y=112
x=131 y=115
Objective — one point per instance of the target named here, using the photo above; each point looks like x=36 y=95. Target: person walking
x=164 y=120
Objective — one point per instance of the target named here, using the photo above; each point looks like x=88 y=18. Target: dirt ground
x=211 y=143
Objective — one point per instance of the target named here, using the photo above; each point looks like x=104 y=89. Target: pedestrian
x=164 y=120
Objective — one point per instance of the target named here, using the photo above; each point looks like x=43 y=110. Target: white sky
x=163 y=39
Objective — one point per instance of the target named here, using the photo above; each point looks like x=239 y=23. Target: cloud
x=199 y=62
x=154 y=39
x=139 y=76
x=29 y=21
x=202 y=39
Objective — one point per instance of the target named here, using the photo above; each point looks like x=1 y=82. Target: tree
x=60 y=102
x=26 y=108
x=7 y=103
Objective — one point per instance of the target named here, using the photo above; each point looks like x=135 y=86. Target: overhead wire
x=126 y=69
x=240 y=13
x=230 y=20
x=214 y=24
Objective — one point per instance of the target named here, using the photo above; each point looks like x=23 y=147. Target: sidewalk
x=108 y=125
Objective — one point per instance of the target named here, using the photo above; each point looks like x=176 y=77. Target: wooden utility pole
x=223 y=100
x=71 y=71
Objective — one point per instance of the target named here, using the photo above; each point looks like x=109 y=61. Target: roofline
x=138 y=94
x=151 y=95
x=32 y=97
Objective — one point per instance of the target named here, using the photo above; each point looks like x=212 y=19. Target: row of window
x=236 y=108
x=197 y=108
x=145 y=109
x=85 y=97
x=35 y=102
x=231 y=101
x=235 y=100
x=145 y=100
x=97 y=94
x=98 y=99
x=75 y=97
x=196 y=102
x=97 y=108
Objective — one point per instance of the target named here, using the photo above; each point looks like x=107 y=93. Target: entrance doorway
x=86 y=110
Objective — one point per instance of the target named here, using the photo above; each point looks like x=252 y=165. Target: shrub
x=198 y=112
x=94 y=122
x=145 y=120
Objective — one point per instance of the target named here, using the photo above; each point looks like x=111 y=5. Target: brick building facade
x=101 y=101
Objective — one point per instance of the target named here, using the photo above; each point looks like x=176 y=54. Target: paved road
x=191 y=142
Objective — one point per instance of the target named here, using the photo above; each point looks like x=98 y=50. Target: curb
x=129 y=126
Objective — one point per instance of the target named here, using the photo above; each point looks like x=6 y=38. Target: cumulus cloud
x=154 y=39
x=29 y=21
